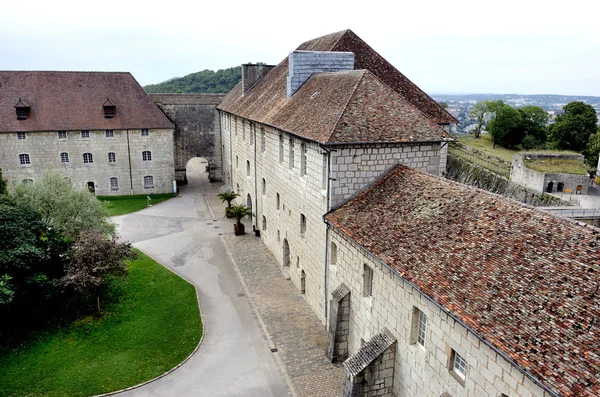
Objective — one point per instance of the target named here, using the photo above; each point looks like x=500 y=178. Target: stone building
x=440 y=289
x=523 y=171
x=302 y=136
x=98 y=128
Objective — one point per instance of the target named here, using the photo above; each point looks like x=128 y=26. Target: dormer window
x=109 y=109
x=23 y=109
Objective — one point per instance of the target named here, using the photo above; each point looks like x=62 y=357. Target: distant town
x=460 y=105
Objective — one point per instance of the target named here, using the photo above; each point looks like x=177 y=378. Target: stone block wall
x=44 y=149
x=420 y=371
x=353 y=167
x=539 y=181
x=339 y=325
x=303 y=64
x=196 y=128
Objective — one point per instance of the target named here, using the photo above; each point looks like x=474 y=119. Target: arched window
x=148 y=182
x=560 y=187
x=88 y=158
x=549 y=187
x=264 y=187
x=333 y=253
x=147 y=155
x=264 y=223
x=247 y=168
x=237 y=188
x=114 y=184
x=237 y=162
x=24 y=159
x=277 y=201
x=302 y=225
x=112 y=157
x=64 y=157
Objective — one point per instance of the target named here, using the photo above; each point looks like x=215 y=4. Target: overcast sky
x=461 y=46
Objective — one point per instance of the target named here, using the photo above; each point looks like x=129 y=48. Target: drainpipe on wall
x=129 y=158
x=325 y=274
x=253 y=132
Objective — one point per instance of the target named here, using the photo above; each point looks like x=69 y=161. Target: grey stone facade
x=196 y=129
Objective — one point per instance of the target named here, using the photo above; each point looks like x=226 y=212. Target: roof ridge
x=333 y=128
x=66 y=71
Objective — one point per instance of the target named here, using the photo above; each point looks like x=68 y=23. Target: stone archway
x=550 y=187
x=286 y=253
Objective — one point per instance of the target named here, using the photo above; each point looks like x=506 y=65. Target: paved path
x=244 y=317
x=234 y=358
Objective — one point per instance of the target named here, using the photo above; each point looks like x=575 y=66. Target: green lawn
x=557 y=166
x=119 y=205
x=154 y=327
x=484 y=143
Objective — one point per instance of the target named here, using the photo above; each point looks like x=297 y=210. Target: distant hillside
x=206 y=81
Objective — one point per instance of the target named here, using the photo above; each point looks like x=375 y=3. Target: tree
x=573 y=128
x=94 y=260
x=592 y=150
x=239 y=212
x=63 y=208
x=506 y=127
x=534 y=122
x=481 y=112
x=2 y=183
x=32 y=258
x=229 y=197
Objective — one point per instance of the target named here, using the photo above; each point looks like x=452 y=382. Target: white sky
x=460 y=46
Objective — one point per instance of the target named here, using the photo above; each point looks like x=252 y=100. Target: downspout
x=326 y=270
x=253 y=132
x=129 y=158
x=228 y=122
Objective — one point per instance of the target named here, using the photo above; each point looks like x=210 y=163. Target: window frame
x=64 y=157
x=367 y=281
x=85 y=134
x=458 y=366
x=148 y=178
x=292 y=153
x=115 y=187
x=146 y=156
x=263 y=136
x=21 y=136
x=303 y=225
x=109 y=133
x=144 y=132
x=24 y=159
x=248 y=168
x=59 y=133
x=303 y=164
x=88 y=158
x=114 y=158
x=281 y=144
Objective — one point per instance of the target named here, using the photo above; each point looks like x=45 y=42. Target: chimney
x=252 y=73
x=303 y=64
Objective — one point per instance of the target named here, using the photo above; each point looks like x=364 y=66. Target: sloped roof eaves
x=73 y=101
x=493 y=263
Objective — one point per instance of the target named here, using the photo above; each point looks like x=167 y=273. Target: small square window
x=110 y=134
x=85 y=134
x=145 y=132
x=21 y=136
x=62 y=134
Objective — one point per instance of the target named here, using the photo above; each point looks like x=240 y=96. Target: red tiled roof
x=524 y=280
x=343 y=107
x=368 y=58
x=74 y=101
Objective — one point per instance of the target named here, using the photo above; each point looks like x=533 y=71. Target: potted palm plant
x=239 y=212
x=229 y=197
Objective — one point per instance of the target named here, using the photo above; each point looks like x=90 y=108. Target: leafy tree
x=481 y=112
x=573 y=128
x=592 y=150
x=32 y=257
x=63 y=208
x=95 y=259
x=206 y=81
x=2 y=183
x=534 y=121
x=506 y=127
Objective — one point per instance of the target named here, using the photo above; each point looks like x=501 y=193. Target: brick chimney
x=252 y=73
x=302 y=64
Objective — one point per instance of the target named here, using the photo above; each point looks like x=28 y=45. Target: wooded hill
x=206 y=81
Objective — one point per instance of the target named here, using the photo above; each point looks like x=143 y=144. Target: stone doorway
x=91 y=187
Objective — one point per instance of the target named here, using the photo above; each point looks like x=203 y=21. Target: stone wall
x=45 y=148
x=420 y=371
x=540 y=181
x=303 y=64
x=196 y=128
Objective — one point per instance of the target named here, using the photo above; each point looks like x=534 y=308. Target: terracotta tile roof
x=342 y=107
x=268 y=96
x=368 y=58
x=525 y=281
x=74 y=101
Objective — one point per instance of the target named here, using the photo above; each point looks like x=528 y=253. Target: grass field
x=154 y=327
x=484 y=143
x=119 y=205
x=558 y=166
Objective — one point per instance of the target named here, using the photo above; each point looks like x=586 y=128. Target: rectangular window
x=112 y=158
x=263 y=137
x=88 y=158
x=110 y=134
x=333 y=259
x=24 y=159
x=303 y=159
x=114 y=184
x=62 y=134
x=459 y=365
x=64 y=157
x=146 y=155
x=291 y=150
x=421 y=319
x=148 y=182
x=281 y=148
x=244 y=130
x=21 y=136
x=367 y=281
x=145 y=132
x=85 y=134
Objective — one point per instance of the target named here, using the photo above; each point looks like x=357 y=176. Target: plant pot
x=239 y=231
x=227 y=213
